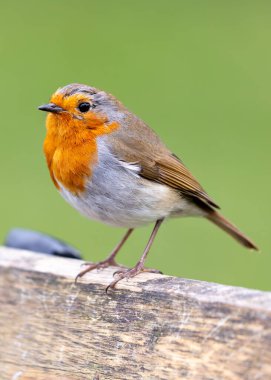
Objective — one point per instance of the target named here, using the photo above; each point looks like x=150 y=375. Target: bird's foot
x=109 y=262
x=129 y=273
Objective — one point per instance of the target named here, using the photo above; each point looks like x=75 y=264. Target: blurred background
x=199 y=73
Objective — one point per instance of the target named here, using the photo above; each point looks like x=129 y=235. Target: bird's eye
x=84 y=107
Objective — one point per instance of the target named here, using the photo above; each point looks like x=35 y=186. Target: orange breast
x=71 y=150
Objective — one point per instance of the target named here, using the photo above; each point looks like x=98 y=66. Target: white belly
x=117 y=195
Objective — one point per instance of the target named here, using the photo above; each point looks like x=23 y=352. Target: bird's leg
x=139 y=267
x=109 y=261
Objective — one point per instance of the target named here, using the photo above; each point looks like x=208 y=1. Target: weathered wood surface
x=151 y=327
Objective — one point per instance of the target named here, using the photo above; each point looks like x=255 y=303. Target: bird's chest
x=70 y=165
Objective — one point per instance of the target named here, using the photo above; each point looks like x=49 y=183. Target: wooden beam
x=152 y=327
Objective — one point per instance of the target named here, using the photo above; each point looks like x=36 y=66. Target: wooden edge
x=198 y=290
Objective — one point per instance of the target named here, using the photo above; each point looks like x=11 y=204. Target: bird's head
x=80 y=107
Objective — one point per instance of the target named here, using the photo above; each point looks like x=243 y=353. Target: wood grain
x=151 y=327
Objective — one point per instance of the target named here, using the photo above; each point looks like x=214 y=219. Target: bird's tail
x=225 y=225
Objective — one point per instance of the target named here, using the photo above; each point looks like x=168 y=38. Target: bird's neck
x=72 y=153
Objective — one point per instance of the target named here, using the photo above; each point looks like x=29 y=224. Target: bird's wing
x=172 y=172
x=156 y=162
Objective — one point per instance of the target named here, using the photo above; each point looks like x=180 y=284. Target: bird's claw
x=120 y=276
x=100 y=265
x=129 y=273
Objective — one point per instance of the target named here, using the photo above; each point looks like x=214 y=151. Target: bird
x=112 y=167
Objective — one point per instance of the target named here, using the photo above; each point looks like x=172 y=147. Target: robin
x=110 y=166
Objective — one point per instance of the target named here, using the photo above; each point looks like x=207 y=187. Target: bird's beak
x=50 y=107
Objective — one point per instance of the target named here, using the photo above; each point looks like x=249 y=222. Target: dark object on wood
x=152 y=327
x=38 y=242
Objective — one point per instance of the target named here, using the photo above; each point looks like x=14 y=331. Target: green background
x=198 y=72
